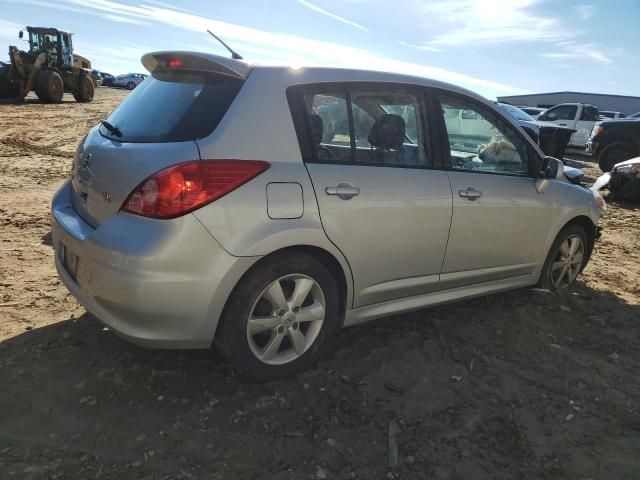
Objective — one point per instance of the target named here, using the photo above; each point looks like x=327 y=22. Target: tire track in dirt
x=26 y=147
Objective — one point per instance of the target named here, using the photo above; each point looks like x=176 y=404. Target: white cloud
x=121 y=19
x=427 y=48
x=322 y=11
x=290 y=49
x=585 y=12
x=9 y=30
x=492 y=21
x=579 y=52
x=166 y=5
x=57 y=6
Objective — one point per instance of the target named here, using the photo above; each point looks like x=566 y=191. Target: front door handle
x=345 y=191
x=470 y=193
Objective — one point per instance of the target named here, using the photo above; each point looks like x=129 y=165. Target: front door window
x=480 y=141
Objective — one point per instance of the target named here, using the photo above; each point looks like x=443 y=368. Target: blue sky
x=493 y=47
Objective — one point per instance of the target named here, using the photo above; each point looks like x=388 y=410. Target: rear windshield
x=173 y=106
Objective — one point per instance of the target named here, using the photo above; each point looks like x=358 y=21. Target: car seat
x=386 y=138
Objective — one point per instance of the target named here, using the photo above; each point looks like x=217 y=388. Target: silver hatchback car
x=259 y=209
x=129 y=80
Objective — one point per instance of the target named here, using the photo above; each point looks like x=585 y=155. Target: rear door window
x=173 y=106
x=373 y=126
x=563 y=112
x=329 y=125
x=590 y=114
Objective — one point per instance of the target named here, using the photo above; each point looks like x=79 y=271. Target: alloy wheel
x=286 y=319
x=566 y=265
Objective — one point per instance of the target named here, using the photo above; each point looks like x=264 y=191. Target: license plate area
x=69 y=260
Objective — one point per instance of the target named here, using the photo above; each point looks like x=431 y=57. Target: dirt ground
x=523 y=385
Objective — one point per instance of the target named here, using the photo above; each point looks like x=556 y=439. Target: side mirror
x=549 y=168
x=21 y=34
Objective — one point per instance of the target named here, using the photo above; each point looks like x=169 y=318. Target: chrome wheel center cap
x=288 y=318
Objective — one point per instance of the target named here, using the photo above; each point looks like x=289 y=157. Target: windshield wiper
x=113 y=130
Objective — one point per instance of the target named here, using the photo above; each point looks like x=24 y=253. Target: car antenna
x=234 y=55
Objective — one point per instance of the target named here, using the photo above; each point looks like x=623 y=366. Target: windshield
x=173 y=106
x=43 y=42
x=636 y=115
x=516 y=113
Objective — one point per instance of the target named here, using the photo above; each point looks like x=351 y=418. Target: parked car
x=211 y=209
x=533 y=111
x=578 y=116
x=552 y=138
x=623 y=181
x=607 y=114
x=107 y=79
x=129 y=80
x=613 y=141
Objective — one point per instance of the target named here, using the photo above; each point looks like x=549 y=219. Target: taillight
x=182 y=188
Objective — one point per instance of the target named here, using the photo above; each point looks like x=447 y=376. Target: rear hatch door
x=105 y=172
x=156 y=126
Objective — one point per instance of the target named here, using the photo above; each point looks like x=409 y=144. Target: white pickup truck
x=579 y=116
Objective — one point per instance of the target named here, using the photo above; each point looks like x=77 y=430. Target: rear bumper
x=157 y=283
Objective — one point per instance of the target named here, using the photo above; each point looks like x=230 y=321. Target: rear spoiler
x=196 y=61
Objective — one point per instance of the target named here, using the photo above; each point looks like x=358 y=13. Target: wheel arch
x=342 y=277
x=590 y=229
x=615 y=142
x=618 y=139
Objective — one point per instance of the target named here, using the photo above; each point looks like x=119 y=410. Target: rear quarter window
x=174 y=106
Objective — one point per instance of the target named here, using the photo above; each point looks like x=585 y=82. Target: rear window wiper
x=113 y=130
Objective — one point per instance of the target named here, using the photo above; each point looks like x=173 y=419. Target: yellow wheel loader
x=47 y=68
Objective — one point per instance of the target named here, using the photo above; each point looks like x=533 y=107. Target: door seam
x=446 y=248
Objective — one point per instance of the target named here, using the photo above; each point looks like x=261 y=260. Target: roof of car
x=302 y=74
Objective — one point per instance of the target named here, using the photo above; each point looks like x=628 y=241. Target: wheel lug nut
x=281 y=312
x=280 y=329
x=295 y=326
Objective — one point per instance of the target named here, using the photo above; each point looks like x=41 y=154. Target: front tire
x=615 y=153
x=131 y=86
x=567 y=258
x=85 y=91
x=279 y=317
x=49 y=86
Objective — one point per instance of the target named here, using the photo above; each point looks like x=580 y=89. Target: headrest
x=317 y=129
x=387 y=132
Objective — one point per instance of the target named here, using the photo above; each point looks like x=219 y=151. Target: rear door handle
x=563 y=124
x=470 y=193
x=344 y=191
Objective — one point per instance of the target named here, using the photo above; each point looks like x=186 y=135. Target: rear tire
x=131 y=86
x=252 y=320
x=85 y=91
x=49 y=86
x=615 y=153
x=566 y=259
